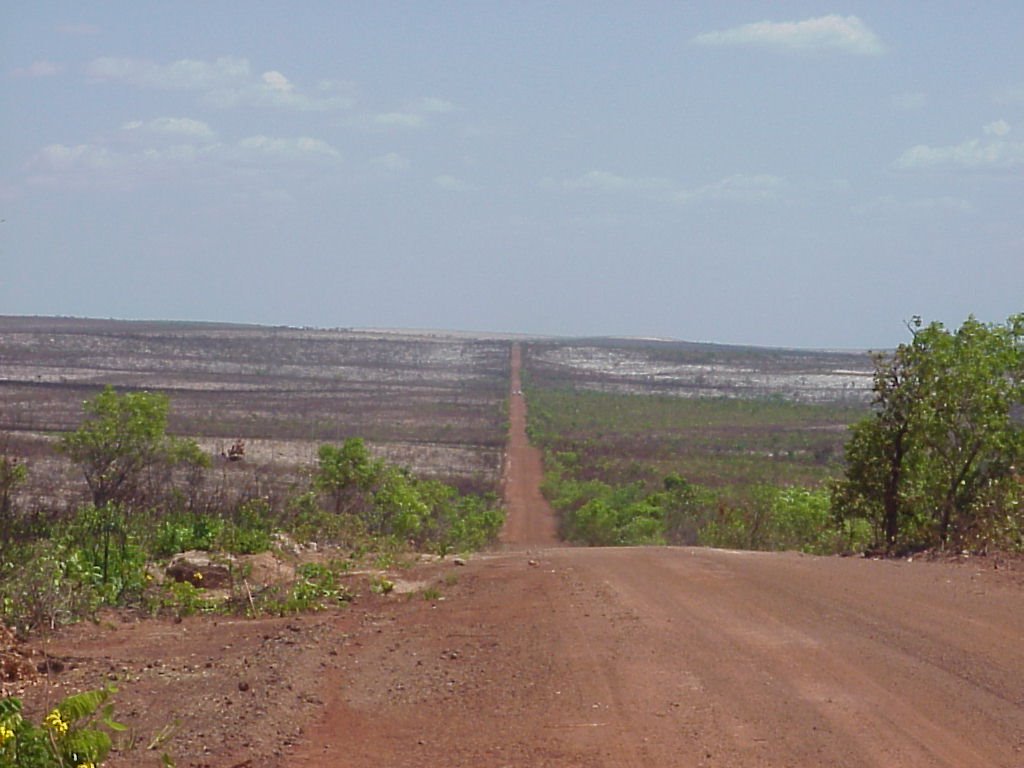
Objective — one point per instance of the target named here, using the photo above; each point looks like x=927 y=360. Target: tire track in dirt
x=771 y=664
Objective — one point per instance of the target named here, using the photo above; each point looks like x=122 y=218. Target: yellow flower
x=197 y=576
x=5 y=734
x=54 y=722
x=86 y=765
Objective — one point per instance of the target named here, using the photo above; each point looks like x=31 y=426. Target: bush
x=792 y=518
x=105 y=550
x=250 y=531
x=183 y=532
x=45 y=587
x=75 y=734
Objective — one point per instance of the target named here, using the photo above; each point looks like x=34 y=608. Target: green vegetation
x=77 y=733
x=123 y=439
x=147 y=505
x=937 y=463
x=12 y=474
x=724 y=443
x=635 y=469
x=390 y=502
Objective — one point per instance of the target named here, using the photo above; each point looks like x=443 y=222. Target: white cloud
x=78 y=30
x=909 y=101
x=274 y=95
x=605 y=181
x=738 y=188
x=414 y=115
x=174 y=126
x=995 y=153
x=432 y=104
x=182 y=75
x=288 y=148
x=95 y=165
x=225 y=82
x=1013 y=94
x=399 y=120
x=890 y=204
x=276 y=81
x=847 y=34
x=41 y=68
x=91 y=165
x=392 y=161
x=998 y=128
x=60 y=158
x=454 y=184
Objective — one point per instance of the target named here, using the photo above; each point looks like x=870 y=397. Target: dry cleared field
x=435 y=403
x=687 y=369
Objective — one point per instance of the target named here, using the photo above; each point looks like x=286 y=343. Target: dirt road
x=680 y=657
x=529 y=519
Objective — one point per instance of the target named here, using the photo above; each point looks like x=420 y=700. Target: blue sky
x=790 y=174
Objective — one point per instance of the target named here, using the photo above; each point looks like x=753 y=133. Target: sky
x=797 y=174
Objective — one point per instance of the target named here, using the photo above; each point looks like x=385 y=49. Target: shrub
x=103 y=548
x=46 y=587
x=250 y=530
x=182 y=532
x=75 y=734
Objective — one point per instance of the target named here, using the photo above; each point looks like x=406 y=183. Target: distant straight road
x=530 y=521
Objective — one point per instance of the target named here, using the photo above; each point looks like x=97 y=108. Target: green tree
x=942 y=433
x=687 y=508
x=12 y=475
x=972 y=381
x=123 y=437
x=398 y=508
x=346 y=474
x=881 y=446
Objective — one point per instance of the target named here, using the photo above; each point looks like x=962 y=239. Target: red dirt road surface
x=529 y=519
x=545 y=656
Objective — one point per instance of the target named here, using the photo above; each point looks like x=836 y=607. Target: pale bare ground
x=548 y=656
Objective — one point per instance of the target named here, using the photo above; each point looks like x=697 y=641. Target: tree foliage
x=345 y=474
x=945 y=434
x=390 y=501
x=12 y=475
x=123 y=437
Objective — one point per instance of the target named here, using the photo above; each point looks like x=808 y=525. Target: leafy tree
x=346 y=474
x=942 y=434
x=688 y=507
x=390 y=501
x=398 y=507
x=881 y=446
x=12 y=475
x=973 y=379
x=122 y=438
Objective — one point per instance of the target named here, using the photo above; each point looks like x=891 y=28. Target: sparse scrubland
x=284 y=462
x=933 y=464
x=636 y=469
x=355 y=453
x=149 y=502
